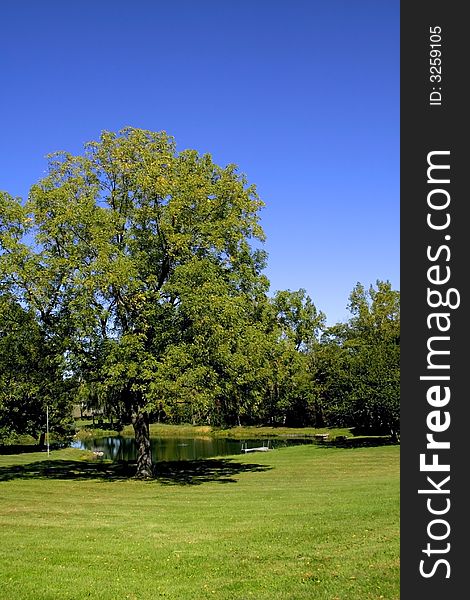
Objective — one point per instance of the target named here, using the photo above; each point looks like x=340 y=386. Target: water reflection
x=169 y=449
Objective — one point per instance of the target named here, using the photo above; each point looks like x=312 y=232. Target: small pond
x=171 y=448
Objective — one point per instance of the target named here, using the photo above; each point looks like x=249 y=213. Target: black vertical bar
x=434 y=272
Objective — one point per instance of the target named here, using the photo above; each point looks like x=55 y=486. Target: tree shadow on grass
x=195 y=472
x=185 y=472
x=20 y=448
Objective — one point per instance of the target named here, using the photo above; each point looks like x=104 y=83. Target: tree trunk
x=319 y=420
x=140 y=421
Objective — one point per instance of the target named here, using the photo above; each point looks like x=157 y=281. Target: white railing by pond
x=258 y=449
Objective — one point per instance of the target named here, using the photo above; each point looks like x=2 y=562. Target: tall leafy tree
x=116 y=230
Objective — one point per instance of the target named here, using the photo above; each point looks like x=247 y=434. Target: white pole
x=47 y=428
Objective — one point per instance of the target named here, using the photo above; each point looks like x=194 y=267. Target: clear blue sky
x=302 y=94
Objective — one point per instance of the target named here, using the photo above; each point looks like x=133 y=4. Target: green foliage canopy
x=358 y=365
x=123 y=234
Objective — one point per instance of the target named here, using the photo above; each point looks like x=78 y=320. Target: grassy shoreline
x=241 y=432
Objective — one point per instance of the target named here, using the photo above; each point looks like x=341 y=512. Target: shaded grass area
x=295 y=523
x=189 y=472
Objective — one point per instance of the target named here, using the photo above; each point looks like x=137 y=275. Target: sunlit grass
x=295 y=523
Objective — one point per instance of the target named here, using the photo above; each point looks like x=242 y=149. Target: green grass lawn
x=303 y=522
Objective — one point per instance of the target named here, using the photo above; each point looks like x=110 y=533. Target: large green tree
x=120 y=232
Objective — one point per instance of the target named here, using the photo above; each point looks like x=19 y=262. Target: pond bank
x=187 y=442
x=242 y=432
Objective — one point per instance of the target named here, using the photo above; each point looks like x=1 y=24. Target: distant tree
x=329 y=368
x=31 y=379
x=358 y=365
x=119 y=233
x=291 y=397
x=298 y=318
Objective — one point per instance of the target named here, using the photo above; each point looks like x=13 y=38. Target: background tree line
x=132 y=281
